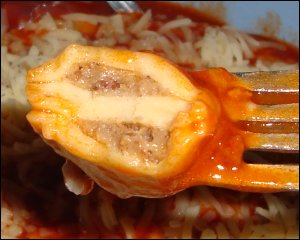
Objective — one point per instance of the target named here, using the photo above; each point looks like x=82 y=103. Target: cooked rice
x=199 y=212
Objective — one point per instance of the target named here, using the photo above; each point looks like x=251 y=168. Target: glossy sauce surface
x=219 y=160
x=223 y=158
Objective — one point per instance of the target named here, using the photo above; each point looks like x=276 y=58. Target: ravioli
x=129 y=120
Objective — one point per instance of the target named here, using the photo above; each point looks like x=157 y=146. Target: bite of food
x=130 y=120
x=43 y=195
x=137 y=125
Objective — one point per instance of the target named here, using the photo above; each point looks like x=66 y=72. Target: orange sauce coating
x=223 y=158
x=220 y=156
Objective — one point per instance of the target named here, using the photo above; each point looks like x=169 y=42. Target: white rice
x=94 y=19
x=142 y=23
x=181 y=214
x=107 y=211
x=178 y=23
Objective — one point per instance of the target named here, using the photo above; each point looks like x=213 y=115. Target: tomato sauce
x=220 y=157
x=19 y=11
x=226 y=144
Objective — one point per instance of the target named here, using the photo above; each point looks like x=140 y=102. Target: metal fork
x=277 y=117
x=276 y=121
x=124 y=6
x=269 y=121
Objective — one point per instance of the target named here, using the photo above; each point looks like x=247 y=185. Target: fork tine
x=280 y=90
x=268 y=127
x=273 y=124
x=273 y=142
x=286 y=177
x=271 y=81
x=262 y=178
x=272 y=113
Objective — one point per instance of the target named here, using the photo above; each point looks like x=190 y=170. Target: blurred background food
x=34 y=200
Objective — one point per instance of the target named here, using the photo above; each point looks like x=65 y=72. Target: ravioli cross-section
x=127 y=119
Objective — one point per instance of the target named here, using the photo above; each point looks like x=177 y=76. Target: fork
x=272 y=124
x=274 y=121
x=268 y=120
x=124 y=6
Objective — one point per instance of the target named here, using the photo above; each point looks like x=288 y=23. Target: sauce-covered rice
x=34 y=200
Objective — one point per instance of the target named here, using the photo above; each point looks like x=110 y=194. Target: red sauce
x=284 y=51
x=171 y=10
x=220 y=156
x=19 y=11
x=223 y=157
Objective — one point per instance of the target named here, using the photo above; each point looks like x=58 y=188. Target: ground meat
x=147 y=143
x=109 y=81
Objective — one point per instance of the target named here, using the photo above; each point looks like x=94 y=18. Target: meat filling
x=109 y=81
x=146 y=143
